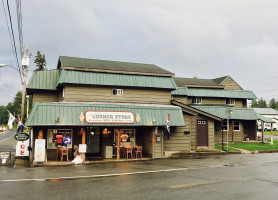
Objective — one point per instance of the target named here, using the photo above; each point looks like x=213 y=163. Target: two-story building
x=103 y=103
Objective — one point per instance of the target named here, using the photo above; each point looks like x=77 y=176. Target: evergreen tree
x=40 y=61
x=272 y=103
x=262 y=103
x=254 y=103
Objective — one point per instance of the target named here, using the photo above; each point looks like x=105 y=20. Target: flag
x=167 y=127
x=11 y=120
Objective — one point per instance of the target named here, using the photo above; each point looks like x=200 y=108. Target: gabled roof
x=196 y=82
x=220 y=80
x=220 y=93
x=46 y=114
x=85 y=64
x=108 y=79
x=266 y=111
x=43 y=80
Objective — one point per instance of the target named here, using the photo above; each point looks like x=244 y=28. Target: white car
x=2 y=128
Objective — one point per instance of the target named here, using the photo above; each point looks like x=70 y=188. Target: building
x=108 y=105
x=269 y=113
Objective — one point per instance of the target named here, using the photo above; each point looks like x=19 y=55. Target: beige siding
x=182 y=99
x=238 y=135
x=93 y=94
x=213 y=101
x=178 y=140
x=239 y=103
x=230 y=84
x=45 y=97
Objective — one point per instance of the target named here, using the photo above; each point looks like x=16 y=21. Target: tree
x=40 y=61
x=254 y=103
x=272 y=103
x=262 y=103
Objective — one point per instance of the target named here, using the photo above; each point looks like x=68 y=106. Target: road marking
x=8 y=137
x=93 y=176
x=192 y=184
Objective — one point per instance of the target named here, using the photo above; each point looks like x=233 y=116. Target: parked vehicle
x=2 y=128
x=267 y=126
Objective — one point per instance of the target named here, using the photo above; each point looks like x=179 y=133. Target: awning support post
x=262 y=132
x=271 y=136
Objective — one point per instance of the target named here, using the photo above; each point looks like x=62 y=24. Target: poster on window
x=22 y=148
x=39 y=150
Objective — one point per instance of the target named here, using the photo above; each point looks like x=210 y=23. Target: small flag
x=11 y=120
x=167 y=127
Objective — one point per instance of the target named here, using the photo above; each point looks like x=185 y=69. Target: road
x=7 y=142
x=252 y=176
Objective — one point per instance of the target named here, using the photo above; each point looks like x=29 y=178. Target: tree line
x=261 y=103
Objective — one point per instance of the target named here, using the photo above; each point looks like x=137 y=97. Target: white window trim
x=120 y=92
x=229 y=101
x=238 y=125
x=196 y=100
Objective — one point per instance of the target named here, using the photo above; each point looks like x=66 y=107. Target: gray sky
x=206 y=39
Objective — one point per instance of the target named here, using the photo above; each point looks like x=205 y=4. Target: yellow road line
x=192 y=184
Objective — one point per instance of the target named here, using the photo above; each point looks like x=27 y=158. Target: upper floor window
x=230 y=101
x=117 y=92
x=197 y=100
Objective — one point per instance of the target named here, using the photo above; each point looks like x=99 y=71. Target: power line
x=12 y=40
x=260 y=80
x=19 y=26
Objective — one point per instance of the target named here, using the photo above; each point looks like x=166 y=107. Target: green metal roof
x=45 y=114
x=237 y=113
x=44 y=80
x=200 y=92
x=220 y=80
x=108 y=79
x=115 y=66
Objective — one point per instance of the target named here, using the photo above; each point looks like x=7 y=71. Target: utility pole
x=25 y=63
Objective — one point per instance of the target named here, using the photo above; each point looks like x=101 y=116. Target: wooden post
x=222 y=135
x=271 y=136
x=83 y=132
x=233 y=133
x=40 y=136
x=118 y=144
x=153 y=142
x=262 y=132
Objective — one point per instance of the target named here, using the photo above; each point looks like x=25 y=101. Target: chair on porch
x=64 y=152
x=128 y=150
x=58 y=152
x=138 y=151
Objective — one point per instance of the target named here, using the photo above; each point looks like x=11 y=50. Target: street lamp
x=5 y=65
x=229 y=112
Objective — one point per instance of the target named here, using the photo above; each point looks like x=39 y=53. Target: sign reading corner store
x=109 y=117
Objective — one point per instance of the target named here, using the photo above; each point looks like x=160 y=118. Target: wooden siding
x=239 y=103
x=178 y=140
x=95 y=94
x=45 y=97
x=182 y=99
x=238 y=135
x=230 y=84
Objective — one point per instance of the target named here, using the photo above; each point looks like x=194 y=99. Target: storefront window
x=59 y=137
x=127 y=136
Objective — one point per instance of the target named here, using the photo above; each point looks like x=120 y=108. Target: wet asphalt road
x=7 y=142
x=244 y=176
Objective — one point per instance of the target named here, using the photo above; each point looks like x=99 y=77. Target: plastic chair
x=64 y=152
x=128 y=150
x=138 y=151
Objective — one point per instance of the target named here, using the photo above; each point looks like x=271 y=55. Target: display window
x=59 y=137
x=127 y=136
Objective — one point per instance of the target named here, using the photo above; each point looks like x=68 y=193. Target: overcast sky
x=206 y=39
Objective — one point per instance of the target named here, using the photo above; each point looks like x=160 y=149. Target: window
x=225 y=126
x=196 y=100
x=236 y=126
x=118 y=92
x=59 y=137
x=230 y=101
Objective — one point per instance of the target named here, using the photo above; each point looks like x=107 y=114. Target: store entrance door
x=94 y=140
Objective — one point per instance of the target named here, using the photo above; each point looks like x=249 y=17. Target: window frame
x=237 y=125
x=196 y=100
x=119 y=92
x=230 y=101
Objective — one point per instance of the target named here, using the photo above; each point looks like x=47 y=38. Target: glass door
x=93 y=139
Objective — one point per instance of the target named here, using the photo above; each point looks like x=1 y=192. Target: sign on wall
x=109 y=117
x=39 y=150
x=82 y=148
x=22 y=148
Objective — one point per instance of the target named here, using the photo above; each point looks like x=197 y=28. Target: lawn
x=268 y=132
x=219 y=147
x=255 y=146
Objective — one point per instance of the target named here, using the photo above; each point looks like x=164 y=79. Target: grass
x=219 y=147
x=255 y=146
x=268 y=132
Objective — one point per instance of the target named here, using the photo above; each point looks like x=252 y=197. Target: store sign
x=109 y=117
x=39 y=150
x=22 y=148
x=5 y=158
x=21 y=136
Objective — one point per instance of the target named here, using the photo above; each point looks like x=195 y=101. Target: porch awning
x=73 y=114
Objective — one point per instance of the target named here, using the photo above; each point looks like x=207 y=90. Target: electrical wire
x=19 y=26
x=12 y=40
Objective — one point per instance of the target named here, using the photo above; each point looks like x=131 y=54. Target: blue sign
x=67 y=140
